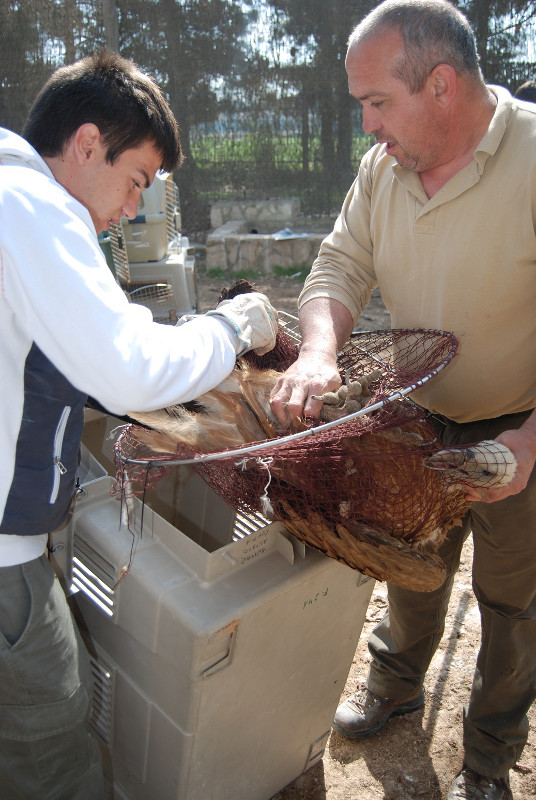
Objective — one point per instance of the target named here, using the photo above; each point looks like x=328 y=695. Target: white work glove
x=252 y=319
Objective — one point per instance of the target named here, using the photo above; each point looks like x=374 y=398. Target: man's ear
x=85 y=141
x=443 y=81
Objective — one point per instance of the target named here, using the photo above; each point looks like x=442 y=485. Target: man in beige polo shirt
x=442 y=218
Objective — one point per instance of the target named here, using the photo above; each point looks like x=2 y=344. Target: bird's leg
x=486 y=464
x=352 y=396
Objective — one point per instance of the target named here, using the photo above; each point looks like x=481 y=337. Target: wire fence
x=263 y=112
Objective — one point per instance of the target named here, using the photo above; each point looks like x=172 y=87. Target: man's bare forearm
x=325 y=325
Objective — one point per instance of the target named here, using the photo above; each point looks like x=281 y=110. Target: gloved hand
x=252 y=319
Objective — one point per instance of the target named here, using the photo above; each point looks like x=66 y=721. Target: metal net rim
x=276 y=442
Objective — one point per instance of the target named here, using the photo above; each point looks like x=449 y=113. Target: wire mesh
x=160 y=299
x=119 y=254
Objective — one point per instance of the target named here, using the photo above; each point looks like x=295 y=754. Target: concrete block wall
x=282 y=210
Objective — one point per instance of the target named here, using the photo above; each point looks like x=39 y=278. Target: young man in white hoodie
x=96 y=136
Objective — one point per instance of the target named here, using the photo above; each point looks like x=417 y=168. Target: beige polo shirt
x=463 y=261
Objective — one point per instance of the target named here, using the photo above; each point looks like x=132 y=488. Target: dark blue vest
x=48 y=446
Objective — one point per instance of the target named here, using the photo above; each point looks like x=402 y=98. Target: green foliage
x=294 y=272
x=283 y=150
x=263 y=110
x=248 y=274
x=218 y=273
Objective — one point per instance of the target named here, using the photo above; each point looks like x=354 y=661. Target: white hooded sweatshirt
x=60 y=306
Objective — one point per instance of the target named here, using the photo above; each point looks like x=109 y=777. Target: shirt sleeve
x=344 y=267
x=57 y=285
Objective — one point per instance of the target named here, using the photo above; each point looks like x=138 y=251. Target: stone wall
x=247 y=236
x=231 y=248
x=255 y=211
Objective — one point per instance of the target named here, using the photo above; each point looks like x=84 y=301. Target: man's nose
x=371 y=123
x=130 y=209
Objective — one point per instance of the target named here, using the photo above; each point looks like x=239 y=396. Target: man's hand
x=522 y=446
x=311 y=375
x=325 y=325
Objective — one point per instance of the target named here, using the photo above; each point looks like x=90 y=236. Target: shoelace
x=363 y=700
x=474 y=788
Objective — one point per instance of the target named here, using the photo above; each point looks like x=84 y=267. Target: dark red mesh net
x=337 y=484
x=367 y=470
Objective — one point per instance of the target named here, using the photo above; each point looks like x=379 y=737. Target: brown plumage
x=235 y=413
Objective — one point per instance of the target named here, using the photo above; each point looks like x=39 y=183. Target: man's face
x=110 y=191
x=408 y=124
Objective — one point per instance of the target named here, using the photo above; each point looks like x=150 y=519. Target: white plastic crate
x=154 y=199
x=60 y=541
x=175 y=269
x=221 y=655
x=157 y=222
x=145 y=237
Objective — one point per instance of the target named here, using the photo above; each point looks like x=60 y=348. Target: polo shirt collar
x=489 y=144
x=469 y=175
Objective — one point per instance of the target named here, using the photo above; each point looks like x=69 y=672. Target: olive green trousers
x=495 y=726
x=46 y=750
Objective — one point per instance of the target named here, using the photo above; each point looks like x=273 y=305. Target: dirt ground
x=415 y=756
x=283 y=293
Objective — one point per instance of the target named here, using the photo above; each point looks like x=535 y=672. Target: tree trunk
x=305 y=132
x=111 y=24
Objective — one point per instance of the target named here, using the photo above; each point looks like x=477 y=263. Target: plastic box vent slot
x=101 y=714
x=87 y=581
x=245 y=524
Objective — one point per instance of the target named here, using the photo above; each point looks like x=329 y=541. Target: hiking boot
x=365 y=713
x=469 y=785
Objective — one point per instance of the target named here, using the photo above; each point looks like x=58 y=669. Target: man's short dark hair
x=111 y=92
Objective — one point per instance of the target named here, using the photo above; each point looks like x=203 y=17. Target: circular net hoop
x=406 y=359
x=365 y=467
